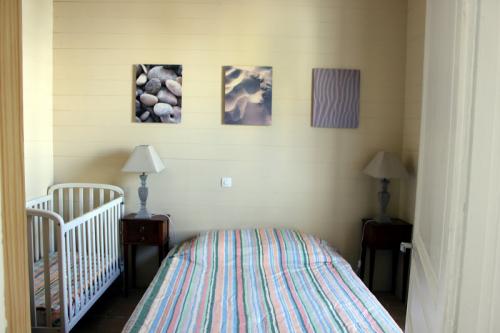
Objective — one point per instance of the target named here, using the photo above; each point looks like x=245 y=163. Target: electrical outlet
x=226 y=182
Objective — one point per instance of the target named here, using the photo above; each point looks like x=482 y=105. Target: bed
x=74 y=251
x=262 y=280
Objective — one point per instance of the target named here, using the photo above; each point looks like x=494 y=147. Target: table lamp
x=385 y=166
x=143 y=160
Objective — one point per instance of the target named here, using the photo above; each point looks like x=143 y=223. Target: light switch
x=226 y=182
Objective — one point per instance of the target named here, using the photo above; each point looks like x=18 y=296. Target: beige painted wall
x=288 y=174
x=37 y=95
x=415 y=35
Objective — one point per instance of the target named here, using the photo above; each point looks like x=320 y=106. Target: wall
x=37 y=95
x=288 y=174
x=415 y=35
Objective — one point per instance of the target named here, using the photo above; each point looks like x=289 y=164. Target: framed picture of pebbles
x=247 y=95
x=158 y=93
x=336 y=98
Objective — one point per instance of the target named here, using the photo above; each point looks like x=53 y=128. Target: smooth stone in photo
x=174 y=87
x=159 y=72
x=145 y=115
x=162 y=109
x=138 y=120
x=153 y=86
x=137 y=106
x=138 y=92
x=148 y=99
x=173 y=117
x=141 y=80
x=166 y=96
x=179 y=80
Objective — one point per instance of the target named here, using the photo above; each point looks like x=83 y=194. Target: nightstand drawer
x=141 y=232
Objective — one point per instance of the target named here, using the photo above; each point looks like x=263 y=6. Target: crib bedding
x=264 y=280
x=77 y=297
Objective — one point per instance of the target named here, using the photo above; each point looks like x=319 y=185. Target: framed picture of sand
x=247 y=95
x=336 y=98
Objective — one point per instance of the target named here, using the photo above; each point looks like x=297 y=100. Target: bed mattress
x=264 y=280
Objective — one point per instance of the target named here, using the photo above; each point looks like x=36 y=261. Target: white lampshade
x=144 y=159
x=386 y=165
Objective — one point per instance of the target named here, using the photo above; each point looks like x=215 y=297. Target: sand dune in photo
x=248 y=92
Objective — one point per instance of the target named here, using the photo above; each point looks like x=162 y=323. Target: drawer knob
x=141 y=229
x=143 y=238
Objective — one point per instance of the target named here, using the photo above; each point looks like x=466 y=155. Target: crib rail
x=47 y=224
x=35 y=226
x=72 y=200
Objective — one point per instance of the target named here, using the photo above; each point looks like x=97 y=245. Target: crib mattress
x=78 y=297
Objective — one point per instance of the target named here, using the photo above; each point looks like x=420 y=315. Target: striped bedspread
x=257 y=281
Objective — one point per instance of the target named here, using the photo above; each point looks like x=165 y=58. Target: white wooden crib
x=74 y=251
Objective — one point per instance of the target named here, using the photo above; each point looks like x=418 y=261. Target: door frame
x=12 y=196
x=462 y=97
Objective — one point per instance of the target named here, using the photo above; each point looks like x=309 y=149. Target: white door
x=454 y=281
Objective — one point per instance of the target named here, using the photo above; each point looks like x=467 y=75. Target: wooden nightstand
x=385 y=236
x=153 y=231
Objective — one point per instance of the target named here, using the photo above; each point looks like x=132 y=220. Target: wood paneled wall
x=288 y=174
x=415 y=35
x=13 y=216
x=38 y=74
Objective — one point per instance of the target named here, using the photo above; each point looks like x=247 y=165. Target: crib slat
x=103 y=240
x=91 y=199
x=113 y=241
x=93 y=277
x=46 y=272
x=51 y=236
x=116 y=235
x=98 y=252
x=80 y=263
x=36 y=237
x=68 y=269
x=63 y=281
x=75 y=278
x=108 y=243
x=80 y=202
x=101 y=197
x=40 y=236
x=31 y=263
x=85 y=261
x=103 y=245
x=60 y=202
x=70 y=204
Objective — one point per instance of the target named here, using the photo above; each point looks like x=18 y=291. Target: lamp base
x=383 y=198
x=143 y=196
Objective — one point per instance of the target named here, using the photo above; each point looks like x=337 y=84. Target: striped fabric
x=265 y=280
x=39 y=286
x=336 y=98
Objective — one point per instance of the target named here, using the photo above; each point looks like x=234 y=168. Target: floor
x=112 y=311
x=394 y=306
